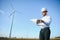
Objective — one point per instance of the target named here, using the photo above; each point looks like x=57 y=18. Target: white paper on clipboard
x=34 y=20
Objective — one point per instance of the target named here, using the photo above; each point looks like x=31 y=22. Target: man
x=44 y=23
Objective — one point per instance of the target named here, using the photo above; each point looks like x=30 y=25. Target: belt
x=46 y=28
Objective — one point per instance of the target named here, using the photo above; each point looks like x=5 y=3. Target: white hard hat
x=43 y=9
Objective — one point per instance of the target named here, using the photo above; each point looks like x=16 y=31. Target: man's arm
x=39 y=21
x=46 y=22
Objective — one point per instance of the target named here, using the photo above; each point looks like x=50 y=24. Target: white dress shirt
x=47 y=21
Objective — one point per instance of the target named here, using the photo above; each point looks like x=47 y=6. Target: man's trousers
x=44 y=34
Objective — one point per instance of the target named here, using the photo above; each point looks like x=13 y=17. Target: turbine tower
x=12 y=14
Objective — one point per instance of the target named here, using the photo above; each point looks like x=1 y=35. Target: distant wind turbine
x=12 y=14
x=1 y=12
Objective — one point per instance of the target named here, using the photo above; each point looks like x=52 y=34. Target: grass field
x=1 y=38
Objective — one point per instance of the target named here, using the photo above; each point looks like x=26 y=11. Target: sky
x=24 y=11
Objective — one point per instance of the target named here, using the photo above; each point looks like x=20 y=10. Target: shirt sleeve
x=47 y=20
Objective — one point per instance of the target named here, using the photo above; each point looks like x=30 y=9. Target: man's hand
x=38 y=21
x=41 y=21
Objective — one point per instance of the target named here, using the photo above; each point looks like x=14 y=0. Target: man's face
x=44 y=13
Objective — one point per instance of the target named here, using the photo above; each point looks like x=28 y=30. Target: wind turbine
x=12 y=14
x=1 y=12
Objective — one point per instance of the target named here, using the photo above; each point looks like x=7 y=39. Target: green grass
x=2 y=38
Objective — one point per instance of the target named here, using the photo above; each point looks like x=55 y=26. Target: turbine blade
x=1 y=12
x=11 y=4
x=18 y=12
